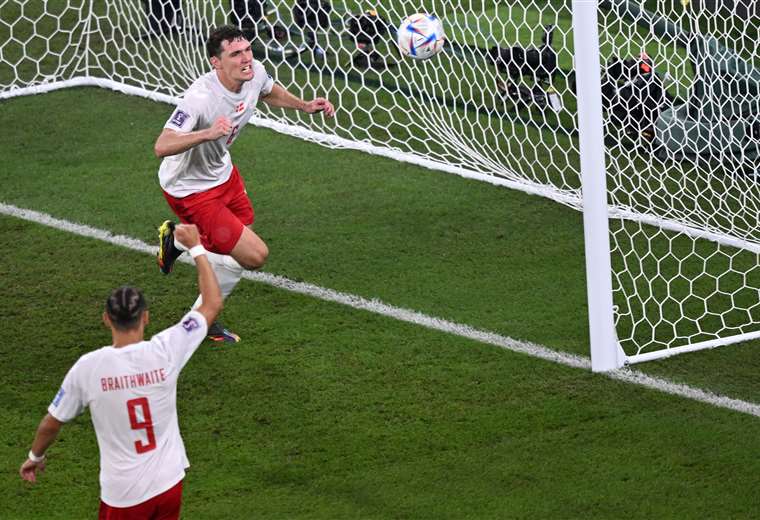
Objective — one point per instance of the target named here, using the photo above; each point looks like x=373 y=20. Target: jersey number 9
x=145 y=424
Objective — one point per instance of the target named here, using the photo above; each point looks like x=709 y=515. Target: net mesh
x=682 y=152
x=680 y=97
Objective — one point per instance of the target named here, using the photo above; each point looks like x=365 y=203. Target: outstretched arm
x=281 y=98
x=171 y=142
x=47 y=431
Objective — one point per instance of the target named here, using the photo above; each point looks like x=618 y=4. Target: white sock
x=179 y=245
x=228 y=273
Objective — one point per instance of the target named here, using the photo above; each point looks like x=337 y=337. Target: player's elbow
x=50 y=425
x=160 y=150
x=164 y=144
x=211 y=307
x=214 y=301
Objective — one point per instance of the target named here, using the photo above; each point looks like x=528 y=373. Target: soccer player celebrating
x=131 y=389
x=197 y=176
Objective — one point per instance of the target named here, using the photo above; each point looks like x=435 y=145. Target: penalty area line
x=626 y=375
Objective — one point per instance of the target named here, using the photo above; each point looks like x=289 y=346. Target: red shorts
x=161 y=507
x=220 y=213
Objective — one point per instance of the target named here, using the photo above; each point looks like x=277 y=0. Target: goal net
x=680 y=93
x=682 y=156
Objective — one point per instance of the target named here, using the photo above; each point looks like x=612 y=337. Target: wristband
x=35 y=458
x=197 y=250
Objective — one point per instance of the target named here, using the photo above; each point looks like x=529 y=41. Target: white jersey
x=132 y=395
x=209 y=164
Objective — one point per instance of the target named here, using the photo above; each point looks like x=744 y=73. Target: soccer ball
x=420 y=36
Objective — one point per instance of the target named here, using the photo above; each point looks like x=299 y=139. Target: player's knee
x=255 y=258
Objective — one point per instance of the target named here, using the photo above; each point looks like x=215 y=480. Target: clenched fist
x=221 y=127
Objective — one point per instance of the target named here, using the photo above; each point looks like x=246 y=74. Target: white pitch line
x=357 y=302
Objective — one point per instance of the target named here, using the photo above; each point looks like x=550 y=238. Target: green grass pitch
x=324 y=411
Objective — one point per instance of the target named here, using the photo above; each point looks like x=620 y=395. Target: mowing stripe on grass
x=409 y=316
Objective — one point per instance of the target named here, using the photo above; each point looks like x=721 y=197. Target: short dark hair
x=224 y=33
x=125 y=307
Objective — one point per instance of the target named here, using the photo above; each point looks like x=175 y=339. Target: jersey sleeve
x=187 y=114
x=69 y=402
x=180 y=341
x=267 y=82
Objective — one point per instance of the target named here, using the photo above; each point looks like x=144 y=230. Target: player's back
x=131 y=393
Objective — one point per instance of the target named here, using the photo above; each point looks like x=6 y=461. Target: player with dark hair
x=131 y=390
x=198 y=178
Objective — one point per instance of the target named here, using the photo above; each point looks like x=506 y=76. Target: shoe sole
x=163 y=230
x=224 y=339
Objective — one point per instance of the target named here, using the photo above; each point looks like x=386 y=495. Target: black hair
x=223 y=33
x=125 y=307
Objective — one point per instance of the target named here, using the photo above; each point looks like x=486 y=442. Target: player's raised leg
x=250 y=251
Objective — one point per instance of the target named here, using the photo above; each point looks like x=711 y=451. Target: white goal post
x=642 y=114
